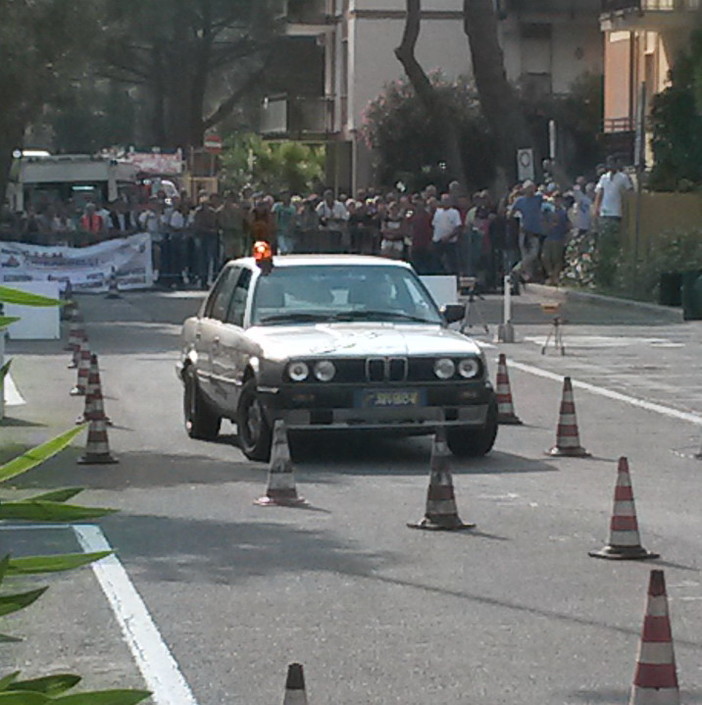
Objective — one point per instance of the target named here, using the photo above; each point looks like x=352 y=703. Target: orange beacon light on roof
x=263 y=255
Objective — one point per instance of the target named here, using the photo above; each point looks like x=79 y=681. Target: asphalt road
x=512 y=612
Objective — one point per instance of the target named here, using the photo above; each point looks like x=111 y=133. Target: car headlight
x=324 y=370
x=298 y=371
x=469 y=368
x=444 y=368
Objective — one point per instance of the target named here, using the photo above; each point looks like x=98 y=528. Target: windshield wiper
x=381 y=315
x=295 y=317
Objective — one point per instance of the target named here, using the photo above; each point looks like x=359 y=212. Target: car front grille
x=384 y=369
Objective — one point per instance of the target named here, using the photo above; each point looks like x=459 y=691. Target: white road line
x=616 y=396
x=154 y=659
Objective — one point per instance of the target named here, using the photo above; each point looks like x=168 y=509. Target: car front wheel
x=253 y=428
x=200 y=420
x=474 y=442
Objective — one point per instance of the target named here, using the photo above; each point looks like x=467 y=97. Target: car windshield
x=316 y=293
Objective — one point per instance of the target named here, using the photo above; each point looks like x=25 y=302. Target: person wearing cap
x=555 y=237
x=529 y=209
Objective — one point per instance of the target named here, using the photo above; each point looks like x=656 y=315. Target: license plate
x=391 y=398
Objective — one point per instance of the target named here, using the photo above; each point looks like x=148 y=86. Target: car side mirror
x=453 y=312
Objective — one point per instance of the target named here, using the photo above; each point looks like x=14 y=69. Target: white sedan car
x=331 y=343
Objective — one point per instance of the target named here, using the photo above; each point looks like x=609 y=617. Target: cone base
x=624 y=553
x=698 y=456
x=272 y=502
x=578 y=452
x=98 y=459
x=511 y=420
x=448 y=524
x=77 y=392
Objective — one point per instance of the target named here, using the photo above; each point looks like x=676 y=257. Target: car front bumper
x=316 y=407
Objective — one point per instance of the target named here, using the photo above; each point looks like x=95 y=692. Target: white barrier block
x=36 y=322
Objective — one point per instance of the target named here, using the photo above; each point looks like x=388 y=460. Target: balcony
x=550 y=8
x=650 y=15
x=301 y=116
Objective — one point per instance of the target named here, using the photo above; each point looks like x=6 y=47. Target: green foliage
x=272 y=166
x=676 y=118
x=8 y=295
x=675 y=251
x=578 y=115
x=34 y=565
x=48 y=506
x=39 y=454
x=399 y=128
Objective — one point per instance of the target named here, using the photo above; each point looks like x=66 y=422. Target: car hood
x=354 y=339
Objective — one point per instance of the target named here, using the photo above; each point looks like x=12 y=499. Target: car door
x=235 y=348
x=210 y=332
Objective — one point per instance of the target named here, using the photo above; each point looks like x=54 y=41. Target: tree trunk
x=498 y=98
x=427 y=94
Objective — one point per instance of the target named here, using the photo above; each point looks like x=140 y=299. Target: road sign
x=213 y=144
x=525 y=164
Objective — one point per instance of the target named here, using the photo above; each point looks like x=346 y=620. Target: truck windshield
x=312 y=293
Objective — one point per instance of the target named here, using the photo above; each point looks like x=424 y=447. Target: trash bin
x=692 y=295
x=670 y=289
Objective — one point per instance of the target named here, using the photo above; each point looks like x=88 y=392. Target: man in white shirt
x=447 y=227
x=608 y=209
x=333 y=217
x=609 y=191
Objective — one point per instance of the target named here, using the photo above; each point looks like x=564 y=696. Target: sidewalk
x=562 y=294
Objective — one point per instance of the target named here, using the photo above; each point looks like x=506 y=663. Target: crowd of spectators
x=524 y=233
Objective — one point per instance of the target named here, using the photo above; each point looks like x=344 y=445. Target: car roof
x=302 y=260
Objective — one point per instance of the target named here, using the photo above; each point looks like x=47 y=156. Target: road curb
x=563 y=294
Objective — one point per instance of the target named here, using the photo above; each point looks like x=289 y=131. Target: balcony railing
x=302 y=11
x=650 y=5
x=300 y=115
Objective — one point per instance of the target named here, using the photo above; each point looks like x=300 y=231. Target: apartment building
x=642 y=39
x=344 y=49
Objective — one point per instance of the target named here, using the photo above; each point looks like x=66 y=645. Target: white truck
x=41 y=177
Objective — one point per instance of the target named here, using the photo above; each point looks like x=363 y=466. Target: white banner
x=87 y=268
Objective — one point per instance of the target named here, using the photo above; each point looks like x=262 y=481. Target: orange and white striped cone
x=505 y=407
x=97 y=449
x=83 y=370
x=94 y=406
x=656 y=678
x=567 y=436
x=441 y=513
x=624 y=541
x=281 y=490
x=76 y=331
x=295 y=686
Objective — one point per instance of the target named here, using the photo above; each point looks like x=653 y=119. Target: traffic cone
x=94 y=407
x=112 y=286
x=624 y=541
x=567 y=436
x=97 y=449
x=295 y=686
x=281 y=490
x=656 y=678
x=69 y=304
x=75 y=330
x=505 y=407
x=441 y=512
x=83 y=370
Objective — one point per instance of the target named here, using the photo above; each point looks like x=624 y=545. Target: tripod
x=471 y=307
x=555 y=333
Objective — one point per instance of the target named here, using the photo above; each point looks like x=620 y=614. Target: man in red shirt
x=421 y=231
x=91 y=222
